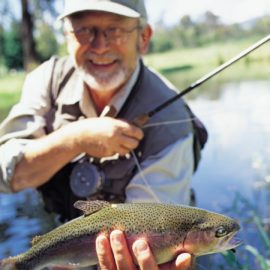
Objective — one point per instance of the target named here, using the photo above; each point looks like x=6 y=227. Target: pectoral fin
x=90 y=207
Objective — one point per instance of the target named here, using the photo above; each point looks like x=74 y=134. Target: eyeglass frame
x=93 y=30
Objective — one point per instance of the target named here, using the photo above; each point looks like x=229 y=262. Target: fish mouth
x=230 y=242
x=235 y=242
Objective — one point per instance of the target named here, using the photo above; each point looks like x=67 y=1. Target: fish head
x=211 y=234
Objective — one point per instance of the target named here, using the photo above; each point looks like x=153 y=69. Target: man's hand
x=113 y=254
x=105 y=136
x=98 y=137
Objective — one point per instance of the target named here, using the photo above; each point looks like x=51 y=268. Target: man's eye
x=82 y=31
x=113 y=31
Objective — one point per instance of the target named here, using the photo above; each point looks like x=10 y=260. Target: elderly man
x=72 y=133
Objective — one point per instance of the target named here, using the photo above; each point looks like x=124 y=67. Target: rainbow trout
x=169 y=230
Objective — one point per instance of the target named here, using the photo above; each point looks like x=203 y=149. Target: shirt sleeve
x=166 y=176
x=25 y=120
x=10 y=154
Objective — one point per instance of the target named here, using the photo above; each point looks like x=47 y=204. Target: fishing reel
x=87 y=179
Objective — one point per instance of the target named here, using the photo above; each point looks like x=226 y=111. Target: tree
x=46 y=42
x=1 y=44
x=32 y=11
x=12 y=48
x=27 y=29
x=2 y=19
x=211 y=20
x=187 y=32
x=186 y=21
x=262 y=25
x=161 y=41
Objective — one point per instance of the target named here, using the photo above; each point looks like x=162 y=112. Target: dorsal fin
x=90 y=207
x=36 y=239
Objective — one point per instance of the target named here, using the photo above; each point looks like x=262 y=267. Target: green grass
x=247 y=254
x=11 y=82
x=10 y=90
x=185 y=66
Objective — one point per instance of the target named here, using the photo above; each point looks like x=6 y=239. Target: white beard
x=102 y=81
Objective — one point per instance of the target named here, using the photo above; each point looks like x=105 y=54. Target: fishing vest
x=149 y=91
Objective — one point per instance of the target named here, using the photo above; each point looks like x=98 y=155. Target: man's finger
x=122 y=257
x=144 y=256
x=128 y=142
x=132 y=131
x=183 y=262
x=104 y=253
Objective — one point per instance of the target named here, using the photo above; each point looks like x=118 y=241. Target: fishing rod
x=142 y=119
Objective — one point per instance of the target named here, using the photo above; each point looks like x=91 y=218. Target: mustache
x=105 y=56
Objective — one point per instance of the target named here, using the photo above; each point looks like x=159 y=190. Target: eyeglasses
x=113 y=35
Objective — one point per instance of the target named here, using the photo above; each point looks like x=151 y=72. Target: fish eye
x=221 y=231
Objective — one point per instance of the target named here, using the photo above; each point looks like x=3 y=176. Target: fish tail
x=8 y=264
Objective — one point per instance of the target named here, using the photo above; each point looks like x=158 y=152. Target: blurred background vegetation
x=29 y=33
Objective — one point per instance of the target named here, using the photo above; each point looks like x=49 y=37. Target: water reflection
x=233 y=178
x=239 y=130
x=21 y=217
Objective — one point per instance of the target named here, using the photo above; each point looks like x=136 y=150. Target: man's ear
x=145 y=38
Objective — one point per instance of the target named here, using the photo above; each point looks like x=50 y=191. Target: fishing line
x=143 y=176
x=140 y=170
x=172 y=122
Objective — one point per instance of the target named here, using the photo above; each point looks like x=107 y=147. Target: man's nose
x=100 y=42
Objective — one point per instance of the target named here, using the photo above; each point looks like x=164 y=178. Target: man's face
x=104 y=61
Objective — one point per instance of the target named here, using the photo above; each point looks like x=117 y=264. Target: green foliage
x=209 y=29
x=12 y=48
x=33 y=12
x=161 y=42
x=46 y=42
x=259 y=256
x=263 y=262
x=62 y=49
x=1 y=45
x=231 y=261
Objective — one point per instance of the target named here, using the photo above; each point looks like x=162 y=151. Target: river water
x=234 y=174
x=233 y=177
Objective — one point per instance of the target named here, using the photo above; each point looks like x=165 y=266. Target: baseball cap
x=128 y=8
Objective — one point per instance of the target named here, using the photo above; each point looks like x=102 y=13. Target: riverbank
x=185 y=66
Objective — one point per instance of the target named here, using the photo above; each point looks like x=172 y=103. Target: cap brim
x=99 y=6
